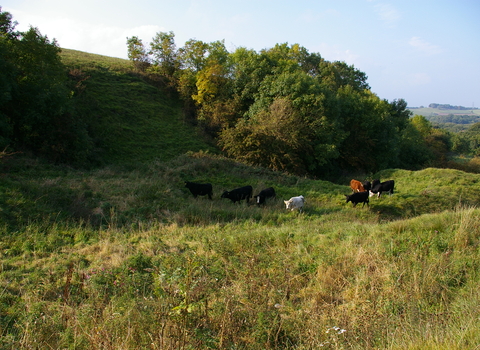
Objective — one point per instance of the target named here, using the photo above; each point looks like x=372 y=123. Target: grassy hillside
x=129 y=259
x=136 y=120
x=123 y=257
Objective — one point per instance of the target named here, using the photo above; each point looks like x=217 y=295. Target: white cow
x=295 y=203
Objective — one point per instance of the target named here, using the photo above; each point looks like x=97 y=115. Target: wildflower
x=338 y=330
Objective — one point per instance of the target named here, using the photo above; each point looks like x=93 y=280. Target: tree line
x=36 y=110
x=283 y=107
x=448 y=106
x=289 y=109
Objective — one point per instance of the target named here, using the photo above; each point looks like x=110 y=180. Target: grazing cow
x=356 y=186
x=386 y=186
x=358 y=197
x=367 y=185
x=375 y=183
x=264 y=195
x=239 y=194
x=295 y=203
x=199 y=189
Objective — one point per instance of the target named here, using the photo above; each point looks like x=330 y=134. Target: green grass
x=135 y=120
x=123 y=257
x=113 y=258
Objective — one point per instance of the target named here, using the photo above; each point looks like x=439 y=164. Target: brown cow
x=356 y=186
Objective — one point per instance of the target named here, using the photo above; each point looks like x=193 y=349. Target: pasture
x=120 y=258
x=428 y=112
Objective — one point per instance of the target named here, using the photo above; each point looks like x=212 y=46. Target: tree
x=164 y=53
x=371 y=142
x=35 y=110
x=337 y=74
x=400 y=114
x=287 y=127
x=414 y=152
x=436 y=140
x=192 y=56
x=7 y=26
x=137 y=53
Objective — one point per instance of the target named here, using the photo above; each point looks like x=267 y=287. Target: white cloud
x=388 y=14
x=100 y=38
x=85 y=36
x=424 y=46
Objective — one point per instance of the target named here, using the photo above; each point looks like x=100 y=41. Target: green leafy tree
x=414 y=151
x=337 y=74
x=400 y=114
x=372 y=140
x=164 y=53
x=204 y=84
x=248 y=71
x=193 y=55
x=137 y=53
x=472 y=136
x=286 y=128
x=438 y=141
x=35 y=109
x=468 y=141
x=8 y=72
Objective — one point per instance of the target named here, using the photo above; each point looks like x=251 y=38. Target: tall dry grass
x=157 y=269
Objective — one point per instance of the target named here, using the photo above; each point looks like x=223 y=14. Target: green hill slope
x=132 y=120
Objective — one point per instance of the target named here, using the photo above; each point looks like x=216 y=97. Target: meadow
x=119 y=255
x=117 y=258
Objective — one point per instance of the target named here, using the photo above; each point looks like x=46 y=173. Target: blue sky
x=422 y=51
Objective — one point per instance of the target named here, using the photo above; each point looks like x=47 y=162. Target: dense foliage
x=283 y=108
x=291 y=110
x=35 y=110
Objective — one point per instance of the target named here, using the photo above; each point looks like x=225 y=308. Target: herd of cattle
x=361 y=193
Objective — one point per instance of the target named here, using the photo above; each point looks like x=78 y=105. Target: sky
x=423 y=51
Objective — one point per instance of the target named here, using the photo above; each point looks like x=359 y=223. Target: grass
x=123 y=257
x=137 y=120
x=129 y=259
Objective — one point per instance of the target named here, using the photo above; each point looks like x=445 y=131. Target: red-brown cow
x=356 y=186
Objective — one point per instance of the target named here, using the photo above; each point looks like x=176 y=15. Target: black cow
x=358 y=197
x=367 y=185
x=239 y=194
x=386 y=186
x=264 y=195
x=199 y=189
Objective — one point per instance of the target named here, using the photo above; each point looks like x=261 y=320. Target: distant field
x=428 y=112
